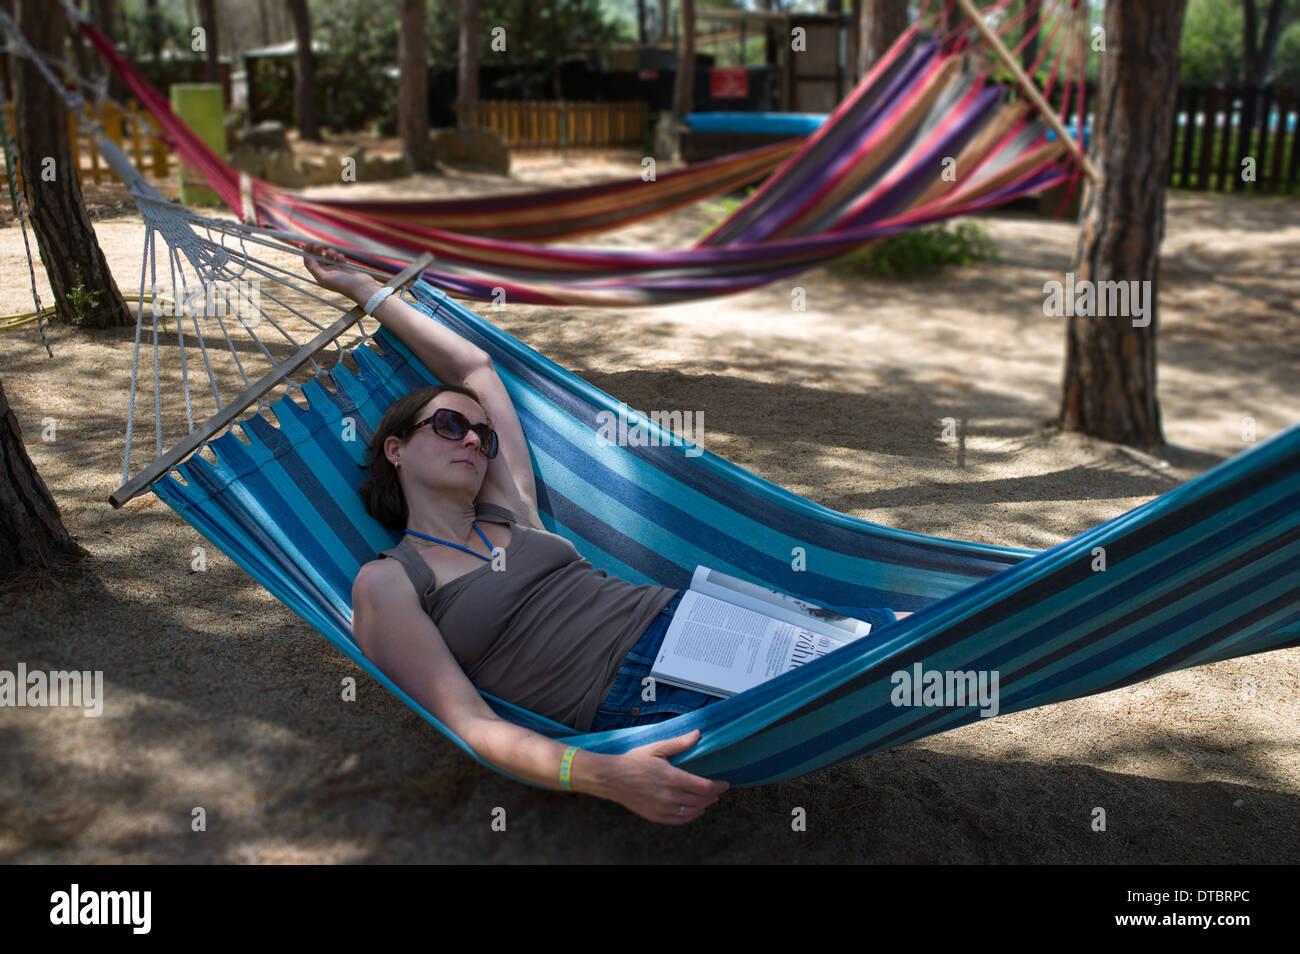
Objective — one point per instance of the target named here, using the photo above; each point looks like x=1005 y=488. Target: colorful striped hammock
x=921 y=139
x=1208 y=571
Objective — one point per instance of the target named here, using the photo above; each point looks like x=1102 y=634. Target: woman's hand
x=346 y=281
x=647 y=784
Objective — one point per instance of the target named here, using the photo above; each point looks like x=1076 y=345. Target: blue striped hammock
x=1208 y=571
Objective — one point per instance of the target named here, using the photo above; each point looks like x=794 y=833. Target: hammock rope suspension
x=204 y=258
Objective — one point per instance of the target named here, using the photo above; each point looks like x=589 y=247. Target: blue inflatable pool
x=786 y=124
x=758 y=124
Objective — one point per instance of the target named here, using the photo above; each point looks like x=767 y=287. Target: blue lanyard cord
x=457 y=545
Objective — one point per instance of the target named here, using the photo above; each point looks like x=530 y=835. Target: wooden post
x=1279 y=139
x=18 y=169
x=1293 y=170
x=74 y=147
x=1189 y=135
x=1262 y=153
x=1030 y=89
x=137 y=137
x=1245 y=135
x=1223 y=180
x=1206 y=164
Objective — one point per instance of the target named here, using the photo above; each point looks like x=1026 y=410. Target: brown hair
x=382 y=493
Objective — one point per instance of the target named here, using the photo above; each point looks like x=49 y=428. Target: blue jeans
x=623 y=705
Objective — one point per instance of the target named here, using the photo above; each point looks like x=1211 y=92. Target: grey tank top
x=548 y=631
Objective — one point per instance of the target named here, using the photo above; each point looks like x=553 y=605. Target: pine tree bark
x=467 y=65
x=1110 y=366
x=32 y=535
x=684 y=83
x=208 y=20
x=1032 y=29
x=880 y=23
x=1257 y=52
x=153 y=28
x=85 y=57
x=85 y=293
x=105 y=17
x=413 y=86
x=304 y=86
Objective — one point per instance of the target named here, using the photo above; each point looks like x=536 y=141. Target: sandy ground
x=220 y=697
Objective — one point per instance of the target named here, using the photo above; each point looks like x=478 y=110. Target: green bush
x=146 y=31
x=921 y=251
x=353 y=75
x=273 y=96
x=723 y=207
x=82 y=299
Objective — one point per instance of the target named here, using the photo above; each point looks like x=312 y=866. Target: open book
x=729 y=635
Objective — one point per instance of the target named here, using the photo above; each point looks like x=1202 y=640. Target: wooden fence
x=1219 y=134
x=149 y=153
x=530 y=124
x=1216 y=129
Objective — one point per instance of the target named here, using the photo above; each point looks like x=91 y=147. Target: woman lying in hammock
x=549 y=632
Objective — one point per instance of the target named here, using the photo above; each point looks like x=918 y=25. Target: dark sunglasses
x=454 y=425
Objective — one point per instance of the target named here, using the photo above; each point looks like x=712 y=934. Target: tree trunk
x=1110 y=368
x=772 y=46
x=413 y=86
x=1032 y=29
x=1257 y=52
x=854 y=39
x=467 y=65
x=684 y=84
x=152 y=27
x=266 y=23
x=84 y=291
x=105 y=18
x=880 y=23
x=208 y=20
x=32 y=535
x=304 y=87
x=81 y=52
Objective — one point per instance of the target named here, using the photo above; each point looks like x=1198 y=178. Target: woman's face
x=433 y=460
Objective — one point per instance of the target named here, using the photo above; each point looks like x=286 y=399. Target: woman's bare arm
x=509 y=478
x=393 y=631
x=441 y=350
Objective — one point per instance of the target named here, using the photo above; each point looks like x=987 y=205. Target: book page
x=721 y=649
x=774 y=603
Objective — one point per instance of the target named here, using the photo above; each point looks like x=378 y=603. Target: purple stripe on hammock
x=927 y=167
x=771 y=220
x=827 y=147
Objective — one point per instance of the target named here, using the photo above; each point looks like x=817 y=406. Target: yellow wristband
x=566 y=767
